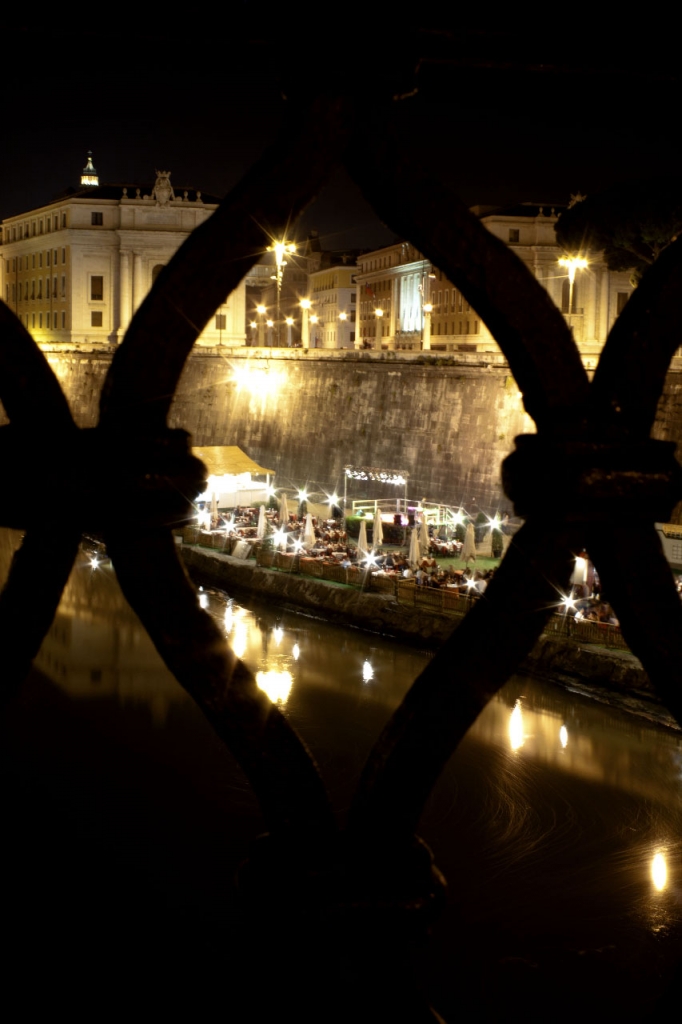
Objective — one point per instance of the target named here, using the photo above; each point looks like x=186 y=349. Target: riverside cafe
x=231 y=477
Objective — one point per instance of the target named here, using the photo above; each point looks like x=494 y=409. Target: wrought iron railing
x=373 y=887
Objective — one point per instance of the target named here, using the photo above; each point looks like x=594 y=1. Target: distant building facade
x=332 y=293
x=75 y=270
x=402 y=284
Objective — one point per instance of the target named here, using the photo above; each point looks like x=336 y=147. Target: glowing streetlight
x=572 y=263
x=305 y=305
x=262 y=311
x=428 y=309
x=378 y=313
x=280 y=249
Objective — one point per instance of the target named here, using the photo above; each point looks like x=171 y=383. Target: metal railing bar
x=458 y=682
x=27 y=611
x=630 y=375
x=275 y=760
x=520 y=314
x=139 y=387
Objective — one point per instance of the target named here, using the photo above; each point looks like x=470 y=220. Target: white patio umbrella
x=414 y=554
x=309 y=532
x=377 y=530
x=362 y=540
x=469 y=546
x=260 y=530
x=283 y=509
x=424 y=538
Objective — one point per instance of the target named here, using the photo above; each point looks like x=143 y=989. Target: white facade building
x=420 y=308
x=75 y=270
x=332 y=294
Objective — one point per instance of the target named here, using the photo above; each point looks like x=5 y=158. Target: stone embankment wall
x=448 y=421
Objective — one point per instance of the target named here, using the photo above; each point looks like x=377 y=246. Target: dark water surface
x=557 y=822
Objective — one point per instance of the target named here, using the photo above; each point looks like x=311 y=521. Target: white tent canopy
x=230 y=476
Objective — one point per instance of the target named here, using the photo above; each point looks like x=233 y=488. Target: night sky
x=508 y=114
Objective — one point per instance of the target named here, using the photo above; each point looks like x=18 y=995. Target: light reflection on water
x=555 y=812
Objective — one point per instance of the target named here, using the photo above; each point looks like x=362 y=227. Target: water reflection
x=276 y=684
x=659 y=872
x=555 y=812
x=516 y=734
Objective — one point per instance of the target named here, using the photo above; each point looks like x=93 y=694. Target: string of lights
x=398 y=477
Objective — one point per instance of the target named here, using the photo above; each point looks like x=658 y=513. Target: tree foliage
x=631 y=224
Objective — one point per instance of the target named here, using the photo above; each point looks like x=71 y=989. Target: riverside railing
x=333 y=898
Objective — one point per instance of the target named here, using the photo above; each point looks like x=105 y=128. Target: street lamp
x=314 y=319
x=428 y=309
x=572 y=263
x=378 y=313
x=290 y=323
x=343 y=317
x=261 y=310
x=280 y=249
x=305 y=305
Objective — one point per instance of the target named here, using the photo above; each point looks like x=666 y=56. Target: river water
x=556 y=823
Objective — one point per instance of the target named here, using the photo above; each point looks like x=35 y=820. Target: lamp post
x=305 y=328
x=428 y=309
x=280 y=249
x=572 y=263
x=261 y=310
x=290 y=323
x=378 y=313
x=269 y=324
x=343 y=317
x=254 y=327
x=314 y=319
